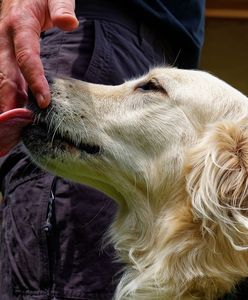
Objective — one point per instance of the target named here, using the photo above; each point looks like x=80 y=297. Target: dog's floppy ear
x=217 y=180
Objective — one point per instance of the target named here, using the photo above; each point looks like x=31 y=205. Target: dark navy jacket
x=179 y=22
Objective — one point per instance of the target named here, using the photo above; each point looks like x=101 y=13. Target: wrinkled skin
x=21 y=22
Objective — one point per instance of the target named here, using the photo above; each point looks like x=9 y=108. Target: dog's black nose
x=31 y=97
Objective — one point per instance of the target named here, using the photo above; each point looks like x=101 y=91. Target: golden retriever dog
x=171 y=148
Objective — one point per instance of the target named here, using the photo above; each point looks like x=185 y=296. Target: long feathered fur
x=195 y=246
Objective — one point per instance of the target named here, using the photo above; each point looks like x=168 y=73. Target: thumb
x=62 y=14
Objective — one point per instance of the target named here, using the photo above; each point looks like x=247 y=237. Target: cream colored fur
x=174 y=156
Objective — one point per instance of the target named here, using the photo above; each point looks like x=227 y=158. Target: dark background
x=225 y=51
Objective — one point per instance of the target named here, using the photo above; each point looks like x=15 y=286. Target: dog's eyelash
x=151 y=85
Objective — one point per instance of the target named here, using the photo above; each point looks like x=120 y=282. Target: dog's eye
x=151 y=85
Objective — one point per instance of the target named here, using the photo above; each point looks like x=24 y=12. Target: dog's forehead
x=190 y=79
x=165 y=74
x=160 y=73
x=174 y=73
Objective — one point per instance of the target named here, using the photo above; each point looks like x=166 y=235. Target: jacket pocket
x=24 y=252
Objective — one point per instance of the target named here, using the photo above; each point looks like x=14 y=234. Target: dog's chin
x=44 y=145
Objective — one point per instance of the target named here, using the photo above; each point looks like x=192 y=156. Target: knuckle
x=62 y=7
x=14 y=18
x=23 y=56
x=10 y=21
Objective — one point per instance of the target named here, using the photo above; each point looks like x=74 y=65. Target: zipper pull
x=47 y=227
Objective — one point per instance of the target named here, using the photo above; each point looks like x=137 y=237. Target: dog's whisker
x=51 y=123
x=36 y=119
x=56 y=129
x=176 y=58
x=49 y=112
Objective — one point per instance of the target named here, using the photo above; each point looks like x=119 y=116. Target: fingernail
x=43 y=100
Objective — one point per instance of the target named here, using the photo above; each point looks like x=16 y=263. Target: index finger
x=12 y=84
x=27 y=50
x=62 y=14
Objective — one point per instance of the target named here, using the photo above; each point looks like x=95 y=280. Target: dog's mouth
x=56 y=139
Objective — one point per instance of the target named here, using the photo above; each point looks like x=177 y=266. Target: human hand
x=21 y=22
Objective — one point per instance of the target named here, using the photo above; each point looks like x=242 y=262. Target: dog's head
x=145 y=136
